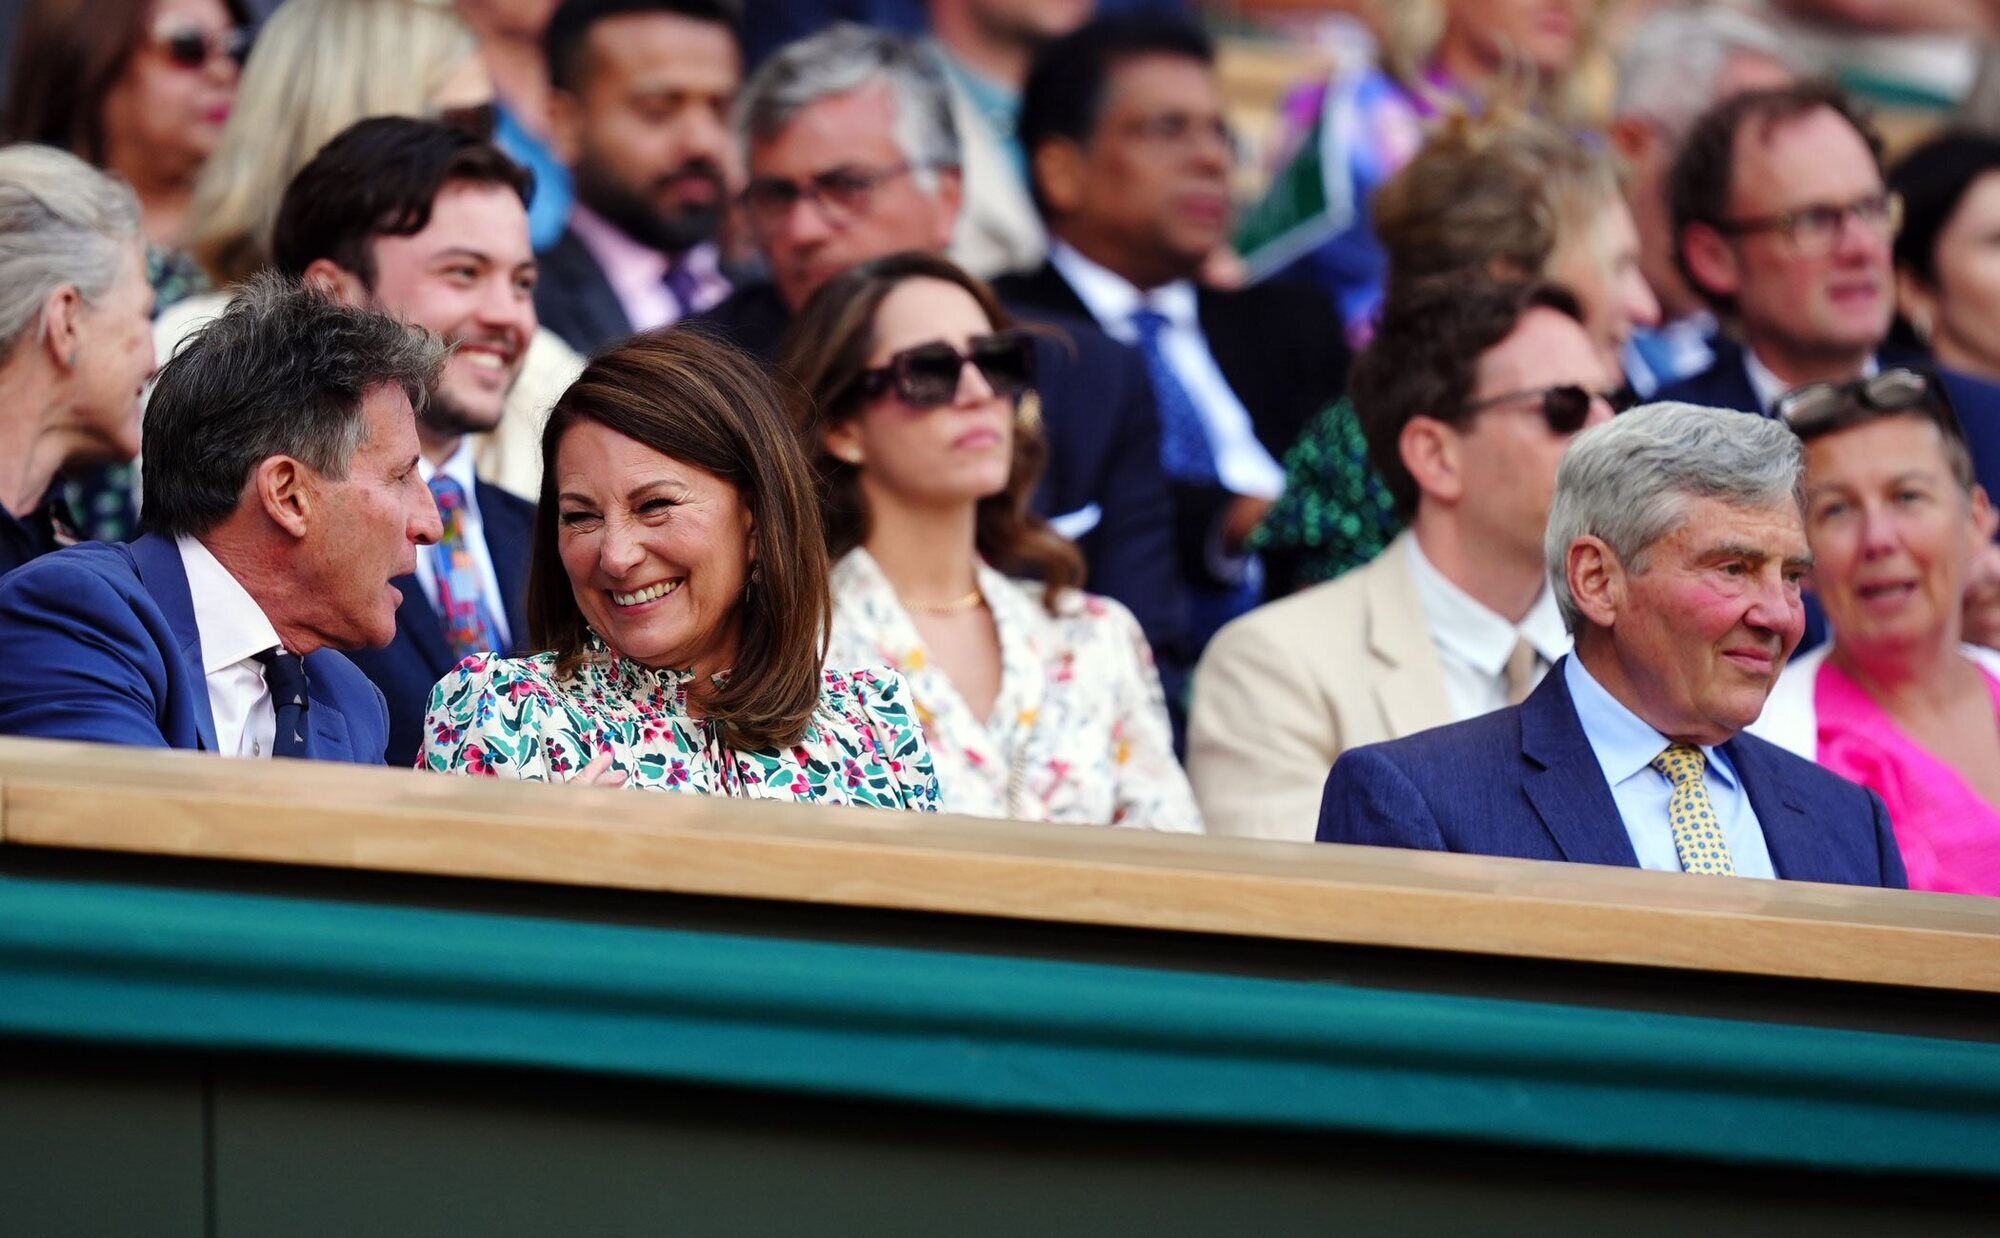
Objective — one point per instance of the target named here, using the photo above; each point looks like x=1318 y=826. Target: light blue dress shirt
x=1625 y=745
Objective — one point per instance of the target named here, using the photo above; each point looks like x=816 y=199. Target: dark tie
x=285 y=676
x=682 y=285
x=1185 y=453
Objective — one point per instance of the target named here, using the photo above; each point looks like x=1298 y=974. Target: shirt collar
x=1112 y=299
x=1482 y=637
x=1623 y=742
x=232 y=626
x=1769 y=386
x=459 y=467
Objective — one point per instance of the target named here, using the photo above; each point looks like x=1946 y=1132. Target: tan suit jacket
x=1290 y=686
x=998 y=228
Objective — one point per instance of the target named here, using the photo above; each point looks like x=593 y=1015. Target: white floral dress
x=1079 y=731
x=513 y=718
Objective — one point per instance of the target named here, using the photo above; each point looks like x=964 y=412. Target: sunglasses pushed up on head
x=928 y=375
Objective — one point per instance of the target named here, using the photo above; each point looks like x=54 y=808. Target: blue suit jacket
x=1724 y=384
x=407 y=669
x=101 y=645
x=1524 y=782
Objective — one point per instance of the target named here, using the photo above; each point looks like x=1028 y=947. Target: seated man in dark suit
x=1676 y=546
x=430 y=224
x=1129 y=161
x=640 y=113
x=837 y=176
x=281 y=499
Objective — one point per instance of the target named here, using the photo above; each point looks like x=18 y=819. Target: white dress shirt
x=1241 y=462
x=1474 y=643
x=234 y=630
x=459 y=467
x=1769 y=386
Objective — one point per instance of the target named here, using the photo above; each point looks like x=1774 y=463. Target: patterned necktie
x=285 y=676
x=1698 y=836
x=1185 y=452
x=468 y=627
x=1520 y=671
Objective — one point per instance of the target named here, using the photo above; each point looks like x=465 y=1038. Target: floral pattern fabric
x=514 y=718
x=1079 y=731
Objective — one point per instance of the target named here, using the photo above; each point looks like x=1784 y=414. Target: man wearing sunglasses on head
x=851 y=155
x=1469 y=394
x=1783 y=223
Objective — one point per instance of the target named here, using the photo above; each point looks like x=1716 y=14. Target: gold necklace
x=957 y=606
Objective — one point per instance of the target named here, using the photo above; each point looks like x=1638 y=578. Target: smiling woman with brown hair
x=679 y=587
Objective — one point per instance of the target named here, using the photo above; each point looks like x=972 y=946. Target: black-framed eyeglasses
x=839 y=194
x=190 y=47
x=1823 y=408
x=1565 y=407
x=928 y=375
x=1813 y=231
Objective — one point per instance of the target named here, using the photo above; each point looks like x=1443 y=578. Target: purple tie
x=683 y=285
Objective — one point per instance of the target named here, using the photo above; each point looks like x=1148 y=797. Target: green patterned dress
x=1335 y=513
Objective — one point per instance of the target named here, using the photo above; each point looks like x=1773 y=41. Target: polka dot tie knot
x=1698 y=836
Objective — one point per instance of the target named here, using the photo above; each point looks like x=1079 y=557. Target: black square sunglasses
x=1565 y=408
x=928 y=375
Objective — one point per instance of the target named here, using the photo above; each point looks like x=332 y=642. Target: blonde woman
x=321 y=65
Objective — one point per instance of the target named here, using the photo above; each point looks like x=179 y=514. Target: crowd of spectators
x=914 y=415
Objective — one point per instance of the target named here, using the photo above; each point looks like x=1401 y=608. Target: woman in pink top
x=1897 y=703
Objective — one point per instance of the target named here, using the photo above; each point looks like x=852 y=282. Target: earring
x=756 y=573
x=1920 y=322
x=852 y=456
x=1028 y=410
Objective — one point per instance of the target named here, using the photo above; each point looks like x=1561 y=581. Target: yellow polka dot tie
x=1698 y=836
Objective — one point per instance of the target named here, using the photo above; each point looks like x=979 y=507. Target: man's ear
x=1058 y=168
x=1632 y=138
x=62 y=330
x=950 y=196
x=1433 y=452
x=1596 y=579
x=565 y=127
x=329 y=278
x=1710 y=260
x=284 y=490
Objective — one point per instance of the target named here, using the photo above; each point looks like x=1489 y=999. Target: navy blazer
x=413 y=663
x=1524 y=782
x=1104 y=455
x=574 y=298
x=1724 y=384
x=102 y=645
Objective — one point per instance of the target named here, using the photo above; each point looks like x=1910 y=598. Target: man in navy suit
x=430 y=224
x=1676 y=547
x=838 y=175
x=1783 y=223
x=281 y=500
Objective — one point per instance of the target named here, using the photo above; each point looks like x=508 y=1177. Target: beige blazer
x=1290 y=686
x=998 y=228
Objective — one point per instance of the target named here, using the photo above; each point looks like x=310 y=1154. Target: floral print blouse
x=513 y=718
x=1079 y=731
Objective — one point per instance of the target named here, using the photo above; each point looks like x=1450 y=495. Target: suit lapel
x=510 y=532
x=165 y=577
x=1048 y=289
x=1411 y=694
x=1790 y=834
x=326 y=726
x=1567 y=786
x=417 y=619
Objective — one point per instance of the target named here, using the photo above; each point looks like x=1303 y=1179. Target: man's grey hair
x=844 y=58
x=283 y=372
x=1631 y=481
x=61 y=222
x=1674 y=59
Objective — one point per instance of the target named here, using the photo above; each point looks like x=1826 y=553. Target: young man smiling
x=430 y=224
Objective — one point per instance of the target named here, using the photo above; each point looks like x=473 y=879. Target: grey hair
x=1670 y=65
x=61 y=222
x=1630 y=481
x=844 y=58
x=283 y=372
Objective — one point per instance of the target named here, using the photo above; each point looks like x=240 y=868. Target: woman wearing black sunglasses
x=1040 y=701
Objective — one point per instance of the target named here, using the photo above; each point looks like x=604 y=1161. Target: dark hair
x=282 y=372
x=1424 y=361
x=68 y=54
x=1845 y=406
x=1065 y=92
x=1933 y=179
x=1704 y=172
x=380 y=177
x=825 y=352
x=563 y=39
x=690 y=396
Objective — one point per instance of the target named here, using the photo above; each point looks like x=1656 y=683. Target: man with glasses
x=640 y=113
x=1783 y=224
x=852 y=155
x=1469 y=395
x=1129 y=162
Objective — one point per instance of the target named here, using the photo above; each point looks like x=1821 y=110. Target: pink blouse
x=1949 y=836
